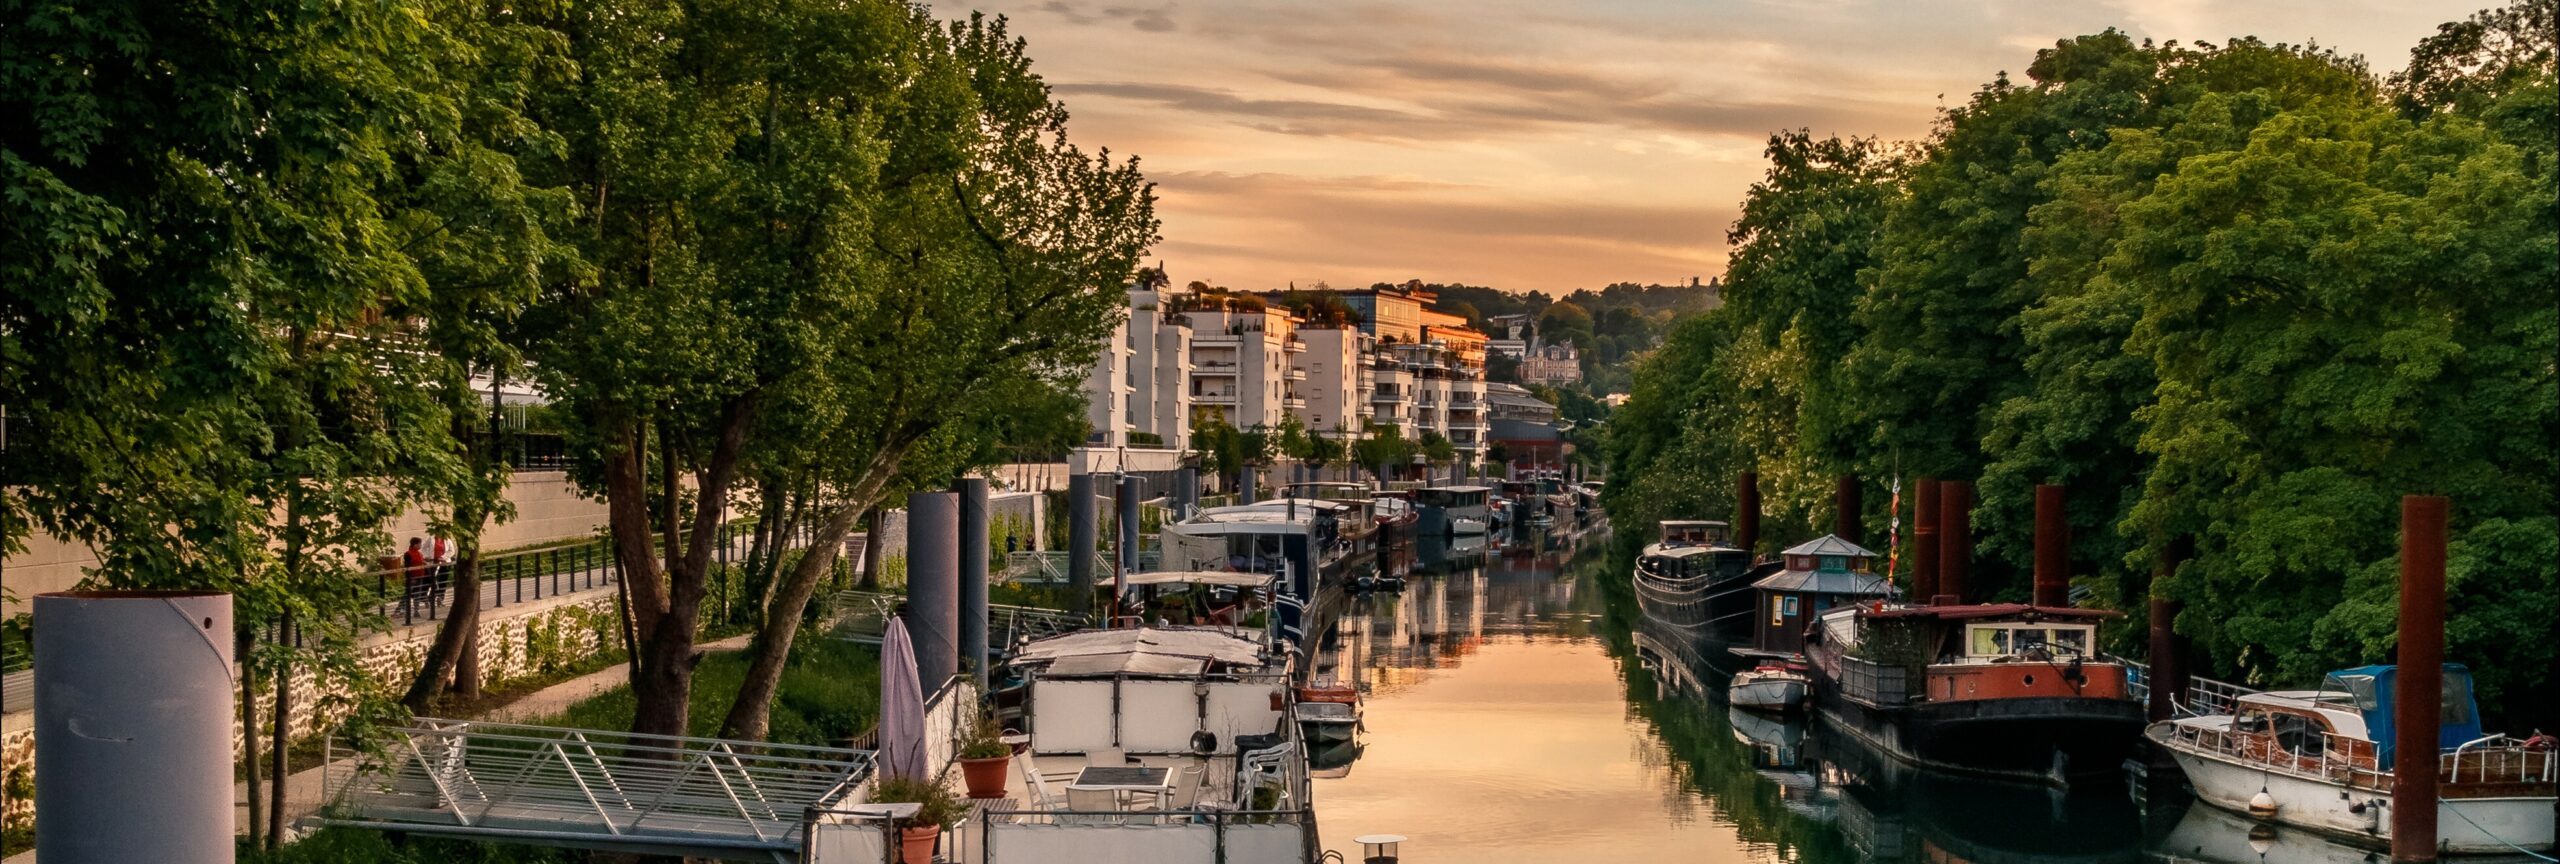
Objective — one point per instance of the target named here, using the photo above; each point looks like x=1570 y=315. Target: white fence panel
x=1120 y=844
x=1241 y=708
x=1281 y=842
x=1158 y=716
x=1071 y=717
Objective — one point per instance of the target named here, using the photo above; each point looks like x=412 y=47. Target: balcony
x=1293 y=403
x=1293 y=344
x=1294 y=374
x=1214 y=397
x=1226 y=370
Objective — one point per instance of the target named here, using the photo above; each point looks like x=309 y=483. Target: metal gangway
x=862 y=616
x=1050 y=567
x=589 y=789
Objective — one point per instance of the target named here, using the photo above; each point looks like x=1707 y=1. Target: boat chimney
x=1746 y=511
x=973 y=578
x=2053 y=548
x=2417 y=701
x=2168 y=650
x=1847 y=508
x=1924 y=540
x=1129 y=521
x=133 y=706
x=1955 y=541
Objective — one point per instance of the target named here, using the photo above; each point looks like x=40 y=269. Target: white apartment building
x=1243 y=366
x=1340 y=380
x=1430 y=387
x=1141 y=379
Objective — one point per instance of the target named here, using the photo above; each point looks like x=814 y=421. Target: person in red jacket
x=413 y=568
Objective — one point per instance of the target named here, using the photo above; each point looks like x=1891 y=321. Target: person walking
x=413 y=571
x=438 y=568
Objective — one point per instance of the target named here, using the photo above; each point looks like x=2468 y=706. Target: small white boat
x=1769 y=687
x=1466 y=526
x=1326 y=723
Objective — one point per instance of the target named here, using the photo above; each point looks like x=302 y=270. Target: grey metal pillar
x=133 y=709
x=933 y=585
x=1129 y=519
x=1080 y=540
x=1244 y=485
x=1186 y=490
x=974 y=550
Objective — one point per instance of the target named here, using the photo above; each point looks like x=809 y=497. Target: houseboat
x=1819 y=575
x=1693 y=578
x=1454 y=511
x=1997 y=690
x=1154 y=744
x=2321 y=760
x=1300 y=543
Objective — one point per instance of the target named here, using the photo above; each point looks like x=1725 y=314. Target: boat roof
x=1118 y=651
x=1829 y=544
x=1223 y=578
x=2337 y=707
x=1455 y=489
x=1689 y=523
x=1979 y=611
x=1826 y=582
x=1684 y=550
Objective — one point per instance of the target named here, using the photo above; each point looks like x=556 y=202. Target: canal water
x=1520 y=708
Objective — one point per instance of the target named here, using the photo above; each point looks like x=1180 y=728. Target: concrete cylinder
x=1955 y=539
x=1244 y=485
x=1186 y=490
x=1848 y=507
x=2053 y=548
x=974 y=550
x=133 y=711
x=2417 y=703
x=1924 y=539
x=933 y=585
x=1081 y=529
x=1746 y=511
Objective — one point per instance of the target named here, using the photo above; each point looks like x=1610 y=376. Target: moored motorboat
x=1328 y=712
x=1695 y=579
x=1769 y=687
x=2321 y=760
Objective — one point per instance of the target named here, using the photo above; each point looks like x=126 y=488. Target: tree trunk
x=871 y=539
x=453 y=637
x=666 y=615
x=466 y=669
x=750 y=716
x=284 y=723
x=244 y=643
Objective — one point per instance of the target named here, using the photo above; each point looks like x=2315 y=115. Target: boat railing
x=2495 y=759
x=2202 y=696
x=1874 y=683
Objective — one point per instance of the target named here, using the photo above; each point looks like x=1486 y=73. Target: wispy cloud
x=1533 y=144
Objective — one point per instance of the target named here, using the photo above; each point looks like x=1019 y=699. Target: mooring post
x=2417 y=704
x=1128 y=545
x=1924 y=540
x=1081 y=529
x=933 y=585
x=1955 y=540
x=1746 y=513
x=2053 y=548
x=133 y=709
x=1186 y=491
x=1244 y=484
x=974 y=550
x=1848 y=508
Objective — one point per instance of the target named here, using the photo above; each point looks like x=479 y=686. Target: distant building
x=1553 y=365
x=1141 y=378
x=1510 y=336
x=1524 y=425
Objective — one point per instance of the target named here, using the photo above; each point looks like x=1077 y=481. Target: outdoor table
x=1157 y=782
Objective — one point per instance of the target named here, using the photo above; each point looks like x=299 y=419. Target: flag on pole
x=1893 y=533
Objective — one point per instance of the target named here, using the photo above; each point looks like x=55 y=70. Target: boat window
x=1990 y=641
x=2457 y=698
x=1835 y=562
x=2300 y=735
x=1791 y=606
x=2361 y=687
x=2073 y=639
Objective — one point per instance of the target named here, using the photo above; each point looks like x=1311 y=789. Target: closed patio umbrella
x=901 y=706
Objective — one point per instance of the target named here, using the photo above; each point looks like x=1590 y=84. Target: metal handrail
x=498 y=779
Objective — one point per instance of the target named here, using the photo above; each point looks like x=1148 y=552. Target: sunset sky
x=1543 y=145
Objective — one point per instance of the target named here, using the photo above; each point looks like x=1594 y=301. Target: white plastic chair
x=1038 y=796
x=1094 y=806
x=1186 y=786
x=1106 y=756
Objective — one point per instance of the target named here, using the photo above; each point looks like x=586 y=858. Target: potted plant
x=935 y=811
x=983 y=759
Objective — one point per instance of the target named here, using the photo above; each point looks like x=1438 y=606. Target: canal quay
x=1521 y=706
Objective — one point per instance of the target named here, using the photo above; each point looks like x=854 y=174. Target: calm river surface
x=1520 y=709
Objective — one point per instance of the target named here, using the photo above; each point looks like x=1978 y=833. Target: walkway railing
x=2203 y=695
x=647 y=794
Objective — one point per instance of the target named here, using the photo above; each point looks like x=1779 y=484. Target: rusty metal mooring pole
x=2053 y=548
x=1746 y=511
x=1847 y=510
x=2417 y=703
x=1955 y=540
x=1924 y=540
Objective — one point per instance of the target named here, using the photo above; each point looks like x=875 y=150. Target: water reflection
x=1520 y=707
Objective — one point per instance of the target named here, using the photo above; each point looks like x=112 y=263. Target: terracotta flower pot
x=985 y=776
x=915 y=843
